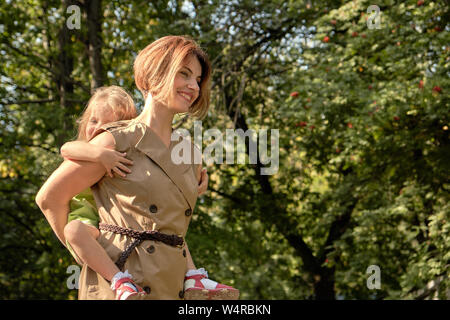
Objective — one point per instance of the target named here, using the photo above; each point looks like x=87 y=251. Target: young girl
x=109 y=104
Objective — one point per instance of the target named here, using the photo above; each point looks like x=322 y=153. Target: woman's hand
x=68 y=180
x=203 y=183
x=114 y=161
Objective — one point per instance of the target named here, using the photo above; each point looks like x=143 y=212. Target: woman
x=158 y=196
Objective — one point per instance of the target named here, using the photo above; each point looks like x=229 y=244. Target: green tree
x=48 y=71
x=363 y=121
x=372 y=116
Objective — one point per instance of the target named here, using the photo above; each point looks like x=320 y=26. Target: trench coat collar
x=152 y=146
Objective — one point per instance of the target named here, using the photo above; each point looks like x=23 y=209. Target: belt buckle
x=182 y=242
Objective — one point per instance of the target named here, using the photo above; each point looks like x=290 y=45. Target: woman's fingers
x=204 y=177
x=203 y=185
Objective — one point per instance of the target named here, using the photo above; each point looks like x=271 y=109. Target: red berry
x=326 y=39
x=302 y=124
x=370 y=87
x=312 y=127
x=338 y=150
x=420 y=2
x=354 y=34
x=437 y=29
x=350 y=125
x=437 y=89
x=363 y=35
x=333 y=22
x=421 y=84
x=294 y=94
x=396 y=118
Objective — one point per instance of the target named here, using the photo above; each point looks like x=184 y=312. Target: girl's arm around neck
x=81 y=150
x=112 y=160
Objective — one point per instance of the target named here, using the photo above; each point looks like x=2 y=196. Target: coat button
x=151 y=249
x=181 y=294
x=153 y=208
x=184 y=253
x=147 y=289
x=188 y=212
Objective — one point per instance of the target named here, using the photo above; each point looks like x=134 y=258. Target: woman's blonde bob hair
x=157 y=64
x=111 y=99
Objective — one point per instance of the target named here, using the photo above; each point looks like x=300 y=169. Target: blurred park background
x=362 y=108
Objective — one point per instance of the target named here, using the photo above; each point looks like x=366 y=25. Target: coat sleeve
x=124 y=132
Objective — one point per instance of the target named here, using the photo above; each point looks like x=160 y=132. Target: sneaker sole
x=139 y=296
x=204 y=294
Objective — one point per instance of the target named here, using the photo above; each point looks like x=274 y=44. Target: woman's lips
x=185 y=96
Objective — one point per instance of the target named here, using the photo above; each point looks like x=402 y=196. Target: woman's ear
x=148 y=98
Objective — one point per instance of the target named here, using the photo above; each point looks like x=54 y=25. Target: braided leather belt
x=139 y=236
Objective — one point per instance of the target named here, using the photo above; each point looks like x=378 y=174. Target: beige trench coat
x=157 y=193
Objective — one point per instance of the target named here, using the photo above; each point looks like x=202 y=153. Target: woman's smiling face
x=186 y=87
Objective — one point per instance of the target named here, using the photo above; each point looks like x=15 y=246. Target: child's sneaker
x=197 y=286
x=124 y=286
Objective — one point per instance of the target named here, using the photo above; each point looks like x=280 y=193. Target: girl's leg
x=83 y=239
x=197 y=286
x=190 y=262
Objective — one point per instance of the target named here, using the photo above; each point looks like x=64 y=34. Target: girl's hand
x=203 y=184
x=115 y=161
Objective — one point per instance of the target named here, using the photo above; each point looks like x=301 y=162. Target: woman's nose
x=193 y=85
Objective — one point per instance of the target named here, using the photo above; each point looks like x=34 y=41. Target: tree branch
x=28 y=101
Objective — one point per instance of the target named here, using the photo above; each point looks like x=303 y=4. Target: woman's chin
x=178 y=106
x=181 y=109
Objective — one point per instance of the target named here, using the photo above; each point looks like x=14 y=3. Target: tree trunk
x=94 y=41
x=324 y=284
x=64 y=68
x=323 y=277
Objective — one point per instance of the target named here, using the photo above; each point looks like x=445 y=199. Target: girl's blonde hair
x=157 y=64
x=112 y=99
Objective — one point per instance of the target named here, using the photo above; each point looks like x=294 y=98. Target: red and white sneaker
x=125 y=288
x=197 y=286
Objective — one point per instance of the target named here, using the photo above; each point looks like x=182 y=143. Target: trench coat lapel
x=151 y=145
